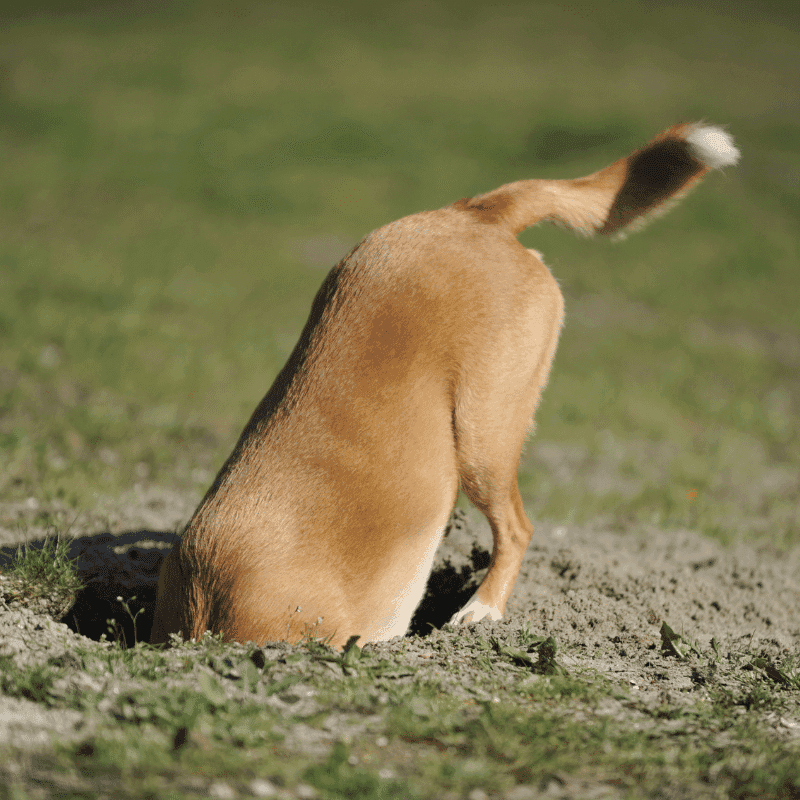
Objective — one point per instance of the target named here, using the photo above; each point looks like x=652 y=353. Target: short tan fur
x=418 y=373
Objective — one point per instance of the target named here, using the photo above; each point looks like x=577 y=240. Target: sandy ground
x=602 y=594
x=606 y=594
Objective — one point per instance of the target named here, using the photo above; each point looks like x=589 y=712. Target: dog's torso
x=356 y=438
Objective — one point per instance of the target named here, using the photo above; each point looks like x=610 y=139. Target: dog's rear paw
x=474 y=611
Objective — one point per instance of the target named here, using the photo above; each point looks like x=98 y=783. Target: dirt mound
x=604 y=595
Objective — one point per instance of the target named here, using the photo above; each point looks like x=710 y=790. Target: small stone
x=262 y=788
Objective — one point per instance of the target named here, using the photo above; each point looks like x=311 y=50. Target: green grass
x=175 y=181
x=183 y=721
x=39 y=571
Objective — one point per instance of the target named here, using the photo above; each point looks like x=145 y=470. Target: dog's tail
x=630 y=190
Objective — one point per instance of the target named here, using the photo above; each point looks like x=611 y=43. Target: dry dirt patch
x=602 y=595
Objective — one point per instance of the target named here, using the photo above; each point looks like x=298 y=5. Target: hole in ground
x=110 y=566
x=449 y=589
x=120 y=577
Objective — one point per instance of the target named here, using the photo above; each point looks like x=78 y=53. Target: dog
x=417 y=374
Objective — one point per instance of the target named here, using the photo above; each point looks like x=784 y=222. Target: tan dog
x=417 y=373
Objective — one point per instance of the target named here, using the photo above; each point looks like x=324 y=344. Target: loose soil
x=602 y=594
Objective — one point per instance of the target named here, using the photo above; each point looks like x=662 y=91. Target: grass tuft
x=43 y=577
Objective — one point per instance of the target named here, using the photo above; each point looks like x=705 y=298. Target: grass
x=208 y=714
x=48 y=565
x=42 y=572
x=175 y=182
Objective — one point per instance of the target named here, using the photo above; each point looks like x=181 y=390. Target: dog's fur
x=417 y=373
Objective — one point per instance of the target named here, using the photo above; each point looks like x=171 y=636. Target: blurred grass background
x=176 y=178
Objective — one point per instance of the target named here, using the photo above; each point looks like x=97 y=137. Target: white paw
x=475 y=611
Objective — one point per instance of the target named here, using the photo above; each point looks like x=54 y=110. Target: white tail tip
x=712 y=146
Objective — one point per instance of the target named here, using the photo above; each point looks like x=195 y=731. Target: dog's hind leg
x=493 y=416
